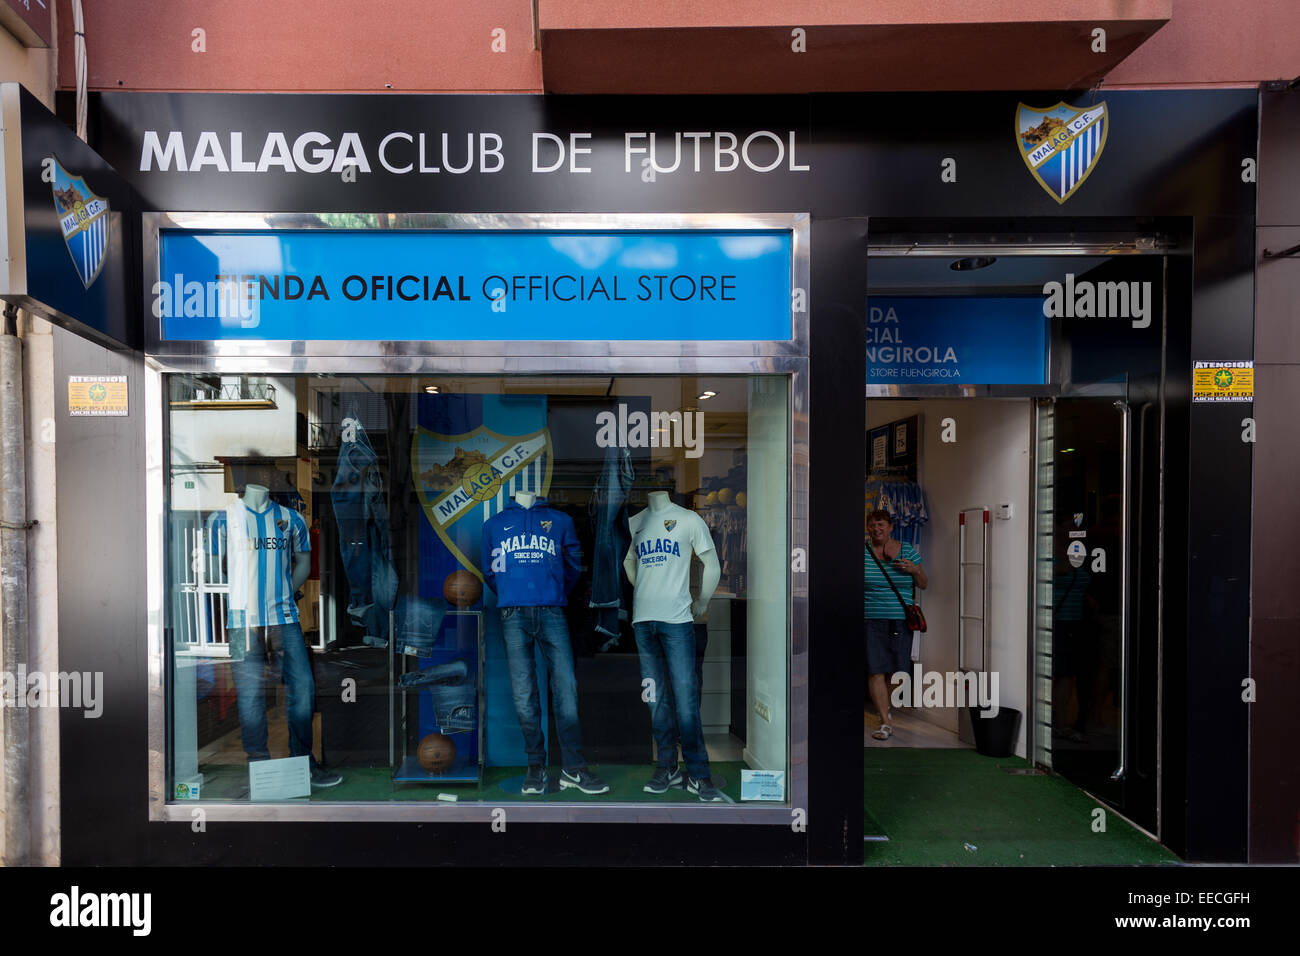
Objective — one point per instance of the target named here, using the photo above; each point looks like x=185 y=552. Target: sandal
x=884 y=733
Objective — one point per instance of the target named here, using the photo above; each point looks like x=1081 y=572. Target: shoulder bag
x=912 y=613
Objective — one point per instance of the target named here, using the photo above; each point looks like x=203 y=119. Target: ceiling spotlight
x=971 y=262
x=707 y=394
x=431 y=389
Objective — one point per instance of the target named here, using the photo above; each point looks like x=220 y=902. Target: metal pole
x=13 y=592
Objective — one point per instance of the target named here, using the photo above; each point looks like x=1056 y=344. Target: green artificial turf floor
x=958 y=808
x=362 y=784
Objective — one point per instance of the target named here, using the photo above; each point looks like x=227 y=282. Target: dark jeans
x=453 y=690
x=612 y=538
x=282 y=651
x=362 y=518
x=416 y=621
x=668 y=659
x=521 y=628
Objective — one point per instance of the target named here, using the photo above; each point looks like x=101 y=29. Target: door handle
x=1122 y=770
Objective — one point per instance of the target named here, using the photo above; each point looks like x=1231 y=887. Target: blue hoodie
x=531 y=556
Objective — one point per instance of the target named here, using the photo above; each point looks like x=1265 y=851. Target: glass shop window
x=529 y=588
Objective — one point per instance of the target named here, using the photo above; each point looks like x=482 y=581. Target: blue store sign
x=474 y=286
x=956 y=341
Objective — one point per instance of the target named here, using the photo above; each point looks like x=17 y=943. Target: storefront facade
x=345 y=189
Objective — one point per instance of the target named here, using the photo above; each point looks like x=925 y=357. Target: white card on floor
x=762 y=784
x=281 y=779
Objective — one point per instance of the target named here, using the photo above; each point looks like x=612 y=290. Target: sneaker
x=321 y=778
x=704 y=789
x=583 y=780
x=665 y=779
x=535 y=780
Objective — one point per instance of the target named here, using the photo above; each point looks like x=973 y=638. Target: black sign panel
x=79 y=217
x=914 y=155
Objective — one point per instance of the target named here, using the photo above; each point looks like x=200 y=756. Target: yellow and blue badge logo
x=462 y=480
x=1061 y=144
x=669 y=525
x=83 y=218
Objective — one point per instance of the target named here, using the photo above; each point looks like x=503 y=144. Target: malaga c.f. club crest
x=1061 y=144
x=462 y=480
x=83 y=217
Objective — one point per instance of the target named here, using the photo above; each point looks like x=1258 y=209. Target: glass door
x=1094 y=706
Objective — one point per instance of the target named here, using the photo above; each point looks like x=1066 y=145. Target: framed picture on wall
x=879 y=439
x=903 y=440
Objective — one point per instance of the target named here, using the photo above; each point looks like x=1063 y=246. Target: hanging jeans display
x=612 y=540
x=453 y=691
x=362 y=517
x=416 y=621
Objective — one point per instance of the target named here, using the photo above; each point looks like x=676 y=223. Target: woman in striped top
x=889 y=642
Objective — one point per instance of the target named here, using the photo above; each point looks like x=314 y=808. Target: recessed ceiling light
x=431 y=389
x=707 y=394
x=972 y=262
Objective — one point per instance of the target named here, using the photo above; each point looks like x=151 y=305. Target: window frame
x=787 y=358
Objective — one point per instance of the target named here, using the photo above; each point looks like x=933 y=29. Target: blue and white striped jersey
x=259 y=564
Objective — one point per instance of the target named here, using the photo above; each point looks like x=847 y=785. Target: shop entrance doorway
x=1017 y=446
x=973 y=459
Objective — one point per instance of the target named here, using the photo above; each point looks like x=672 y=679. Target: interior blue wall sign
x=956 y=340
x=473 y=286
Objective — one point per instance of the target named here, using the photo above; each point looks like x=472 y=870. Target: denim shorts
x=889 y=647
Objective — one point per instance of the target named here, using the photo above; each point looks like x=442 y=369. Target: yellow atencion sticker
x=97 y=395
x=1223 y=381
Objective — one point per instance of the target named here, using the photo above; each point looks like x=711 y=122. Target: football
x=436 y=753
x=462 y=589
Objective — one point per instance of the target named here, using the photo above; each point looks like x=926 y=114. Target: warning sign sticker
x=1223 y=381
x=97 y=395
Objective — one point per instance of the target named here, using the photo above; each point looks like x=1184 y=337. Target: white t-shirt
x=663 y=542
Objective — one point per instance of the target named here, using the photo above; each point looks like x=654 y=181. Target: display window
x=426 y=545
x=480 y=588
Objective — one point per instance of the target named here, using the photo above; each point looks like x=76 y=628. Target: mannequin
x=531 y=560
x=670 y=635
x=268 y=548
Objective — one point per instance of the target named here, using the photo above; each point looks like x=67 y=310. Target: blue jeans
x=362 y=518
x=667 y=654
x=453 y=691
x=612 y=538
x=284 y=649
x=521 y=627
x=416 y=621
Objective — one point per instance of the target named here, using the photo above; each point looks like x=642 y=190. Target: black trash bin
x=995 y=736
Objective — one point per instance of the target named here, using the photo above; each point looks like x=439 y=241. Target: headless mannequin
x=256 y=498
x=525 y=499
x=659 y=502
